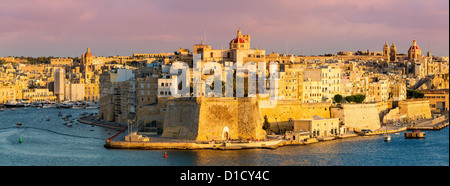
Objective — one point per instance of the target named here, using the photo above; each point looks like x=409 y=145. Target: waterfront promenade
x=156 y=142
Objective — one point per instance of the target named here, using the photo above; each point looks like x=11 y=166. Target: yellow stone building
x=6 y=94
x=318 y=126
x=438 y=100
x=37 y=95
x=61 y=61
x=239 y=50
x=290 y=83
x=331 y=77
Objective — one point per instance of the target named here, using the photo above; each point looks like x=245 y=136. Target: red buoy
x=165 y=154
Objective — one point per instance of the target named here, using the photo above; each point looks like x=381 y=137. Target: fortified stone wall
x=181 y=118
x=280 y=114
x=229 y=118
x=415 y=109
x=358 y=116
x=205 y=119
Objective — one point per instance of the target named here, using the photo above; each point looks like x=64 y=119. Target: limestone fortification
x=282 y=112
x=415 y=108
x=358 y=116
x=205 y=119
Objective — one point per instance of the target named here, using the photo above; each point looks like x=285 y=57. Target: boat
x=13 y=109
x=387 y=138
x=415 y=134
x=19 y=124
x=77 y=107
x=60 y=113
x=47 y=119
x=49 y=106
x=38 y=108
x=1 y=109
x=25 y=108
x=92 y=107
x=12 y=104
x=69 y=125
x=65 y=105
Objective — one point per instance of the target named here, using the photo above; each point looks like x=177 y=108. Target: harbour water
x=53 y=143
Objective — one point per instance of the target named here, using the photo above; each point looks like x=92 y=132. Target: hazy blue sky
x=118 y=27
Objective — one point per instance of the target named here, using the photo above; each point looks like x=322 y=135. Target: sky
x=65 y=28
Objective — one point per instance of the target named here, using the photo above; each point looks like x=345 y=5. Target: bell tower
x=386 y=51
x=393 y=52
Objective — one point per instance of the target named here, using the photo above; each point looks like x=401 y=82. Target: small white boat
x=77 y=107
x=19 y=124
x=387 y=138
x=13 y=109
x=25 y=108
x=49 y=106
x=69 y=125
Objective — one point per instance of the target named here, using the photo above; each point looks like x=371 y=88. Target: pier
x=430 y=124
x=189 y=145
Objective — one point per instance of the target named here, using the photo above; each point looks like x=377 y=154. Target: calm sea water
x=52 y=143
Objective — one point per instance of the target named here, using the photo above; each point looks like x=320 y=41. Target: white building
x=59 y=84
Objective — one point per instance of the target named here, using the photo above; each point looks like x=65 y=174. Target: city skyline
x=67 y=28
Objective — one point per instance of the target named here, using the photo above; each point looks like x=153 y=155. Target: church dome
x=238 y=40
x=88 y=53
x=414 y=46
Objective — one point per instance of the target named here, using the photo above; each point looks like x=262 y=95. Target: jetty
x=430 y=124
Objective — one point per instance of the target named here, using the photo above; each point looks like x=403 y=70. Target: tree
x=350 y=99
x=414 y=94
x=338 y=98
x=266 y=124
x=418 y=94
x=359 y=98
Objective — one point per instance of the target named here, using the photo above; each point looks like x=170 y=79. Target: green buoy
x=20 y=138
